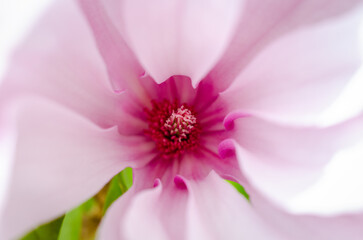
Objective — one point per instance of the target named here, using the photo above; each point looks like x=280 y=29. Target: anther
x=173 y=127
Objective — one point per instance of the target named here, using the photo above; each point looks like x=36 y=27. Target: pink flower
x=186 y=93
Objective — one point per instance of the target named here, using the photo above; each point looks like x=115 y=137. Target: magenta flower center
x=173 y=127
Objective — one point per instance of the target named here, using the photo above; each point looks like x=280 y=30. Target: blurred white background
x=341 y=188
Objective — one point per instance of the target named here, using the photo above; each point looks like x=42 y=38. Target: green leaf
x=82 y=221
x=48 y=231
x=118 y=186
x=72 y=224
x=239 y=188
x=126 y=177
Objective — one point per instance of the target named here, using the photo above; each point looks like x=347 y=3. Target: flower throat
x=173 y=127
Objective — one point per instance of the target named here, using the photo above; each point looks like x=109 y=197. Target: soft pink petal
x=217 y=211
x=207 y=209
x=301 y=227
x=263 y=22
x=111 y=224
x=160 y=212
x=301 y=74
x=60 y=160
x=194 y=166
x=282 y=161
x=59 y=60
x=212 y=209
x=157 y=213
x=143 y=178
x=342 y=175
x=122 y=65
x=179 y=37
x=7 y=146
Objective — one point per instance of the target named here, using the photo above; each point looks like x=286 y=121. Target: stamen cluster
x=173 y=127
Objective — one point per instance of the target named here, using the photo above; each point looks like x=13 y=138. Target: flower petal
x=61 y=160
x=159 y=211
x=301 y=227
x=216 y=211
x=336 y=191
x=7 y=146
x=263 y=22
x=212 y=209
x=111 y=224
x=207 y=209
x=59 y=60
x=179 y=37
x=300 y=74
x=282 y=161
x=122 y=65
